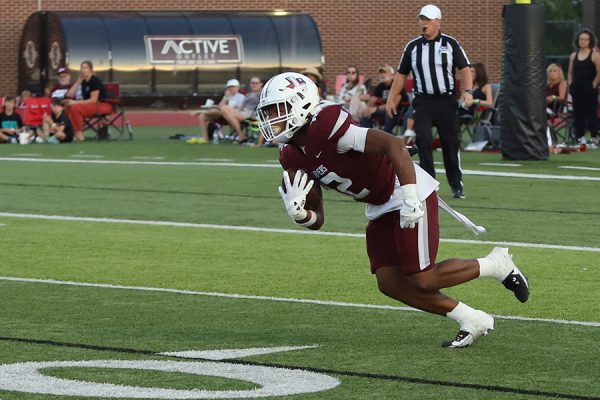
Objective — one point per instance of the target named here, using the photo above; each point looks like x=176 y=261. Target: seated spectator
x=409 y=121
x=232 y=99
x=375 y=108
x=482 y=93
x=10 y=122
x=482 y=90
x=48 y=89
x=60 y=90
x=25 y=94
x=93 y=93
x=317 y=78
x=556 y=87
x=234 y=116
x=57 y=91
x=61 y=129
x=353 y=94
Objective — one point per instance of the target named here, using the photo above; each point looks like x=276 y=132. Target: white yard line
x=26 y=155
x=277 y=230
x=266 y=165
x=216 y=159
x=147 y=158
x=87 y=155
x=124 y=162
x=491 y=164
x=581 y=168
x=270 y=298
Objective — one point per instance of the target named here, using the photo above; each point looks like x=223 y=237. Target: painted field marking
x=581 y=168
x=491 y=164
x=279 y=230
x=87 y=155
x=265 y=165
x=278 y=299
x=26 y=154
x=216 y=159
x=147 y=158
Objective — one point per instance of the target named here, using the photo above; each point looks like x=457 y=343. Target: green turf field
x=157 y=235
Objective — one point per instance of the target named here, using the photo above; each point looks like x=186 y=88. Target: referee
x=432 y=58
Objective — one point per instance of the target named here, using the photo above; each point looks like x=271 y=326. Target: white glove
x=294 y=196
x=411 y=210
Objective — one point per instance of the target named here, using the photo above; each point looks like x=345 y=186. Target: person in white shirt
x=232 y=98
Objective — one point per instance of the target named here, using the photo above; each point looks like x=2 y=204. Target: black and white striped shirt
x=432 y=63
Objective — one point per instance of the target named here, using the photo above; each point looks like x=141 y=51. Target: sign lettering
x=194 y=49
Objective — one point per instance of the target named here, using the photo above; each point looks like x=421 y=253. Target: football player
x=374 y=167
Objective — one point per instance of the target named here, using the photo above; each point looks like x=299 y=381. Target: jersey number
x=343 y=185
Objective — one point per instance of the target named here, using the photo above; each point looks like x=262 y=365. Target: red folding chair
x=105 y=124
x=32 y=111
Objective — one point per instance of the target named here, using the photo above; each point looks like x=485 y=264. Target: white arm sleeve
x=354 y=139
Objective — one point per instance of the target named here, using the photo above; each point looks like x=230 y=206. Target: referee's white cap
x=431 y=12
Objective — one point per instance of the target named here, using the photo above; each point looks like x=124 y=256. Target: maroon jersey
x=365 y=177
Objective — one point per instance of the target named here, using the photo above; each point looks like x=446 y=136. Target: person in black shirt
x=432 y=58
x=10 y=121
x=584 y=78
x=61 y=130
x=375 y=109
x=93 y=103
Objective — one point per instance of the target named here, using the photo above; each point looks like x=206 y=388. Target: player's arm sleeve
x=354 y=139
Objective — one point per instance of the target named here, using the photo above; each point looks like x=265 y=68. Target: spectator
x=584 y=77
x=317 y=78
x=60 y=90
x=409 y=118
x=233 y=116
x=57 y=91
x=376 y=105
x=353 y=94
x=556 y=86
x=25 y=94
x=61 y=129
x=232 y=99
x=10 y=121
x=93 y=93
x=482 y=91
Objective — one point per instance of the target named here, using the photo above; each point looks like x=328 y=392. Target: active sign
x=194 y=49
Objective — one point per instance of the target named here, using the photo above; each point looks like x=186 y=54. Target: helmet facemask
x=271 y=116
x=289 y=98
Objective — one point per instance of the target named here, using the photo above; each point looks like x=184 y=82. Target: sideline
x=278 y=230
x=280 y=299
x=251 y=165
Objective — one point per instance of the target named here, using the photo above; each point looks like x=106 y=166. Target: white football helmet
x=295 y=97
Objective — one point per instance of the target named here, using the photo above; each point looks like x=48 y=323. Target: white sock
x=487 y=268
x=461 y=312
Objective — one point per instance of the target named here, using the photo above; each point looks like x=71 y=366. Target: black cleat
x=518 y=284
x=458 y=193
x=463 y=339
x=514 y=280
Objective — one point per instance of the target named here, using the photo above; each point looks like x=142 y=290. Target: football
x=314 y=196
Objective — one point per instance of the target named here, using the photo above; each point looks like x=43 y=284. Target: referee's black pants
x=441 y=111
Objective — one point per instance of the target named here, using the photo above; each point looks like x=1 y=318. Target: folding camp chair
x=105 y=124
x=32 y=111
x=560 y=123
x=483 y=119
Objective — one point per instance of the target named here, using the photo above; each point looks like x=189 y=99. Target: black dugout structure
x=157 y=54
